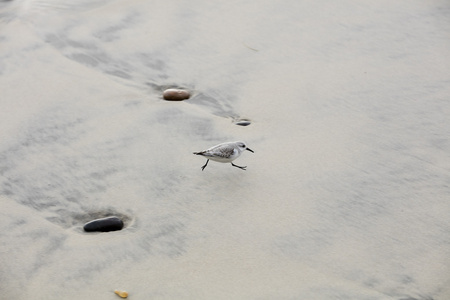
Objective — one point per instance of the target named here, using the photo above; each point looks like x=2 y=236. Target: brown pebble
x=121 y=294
x=176 y=94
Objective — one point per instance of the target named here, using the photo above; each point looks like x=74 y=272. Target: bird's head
x=243 y=146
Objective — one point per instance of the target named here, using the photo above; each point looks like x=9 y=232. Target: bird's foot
x=203 y=167
x=243 y=168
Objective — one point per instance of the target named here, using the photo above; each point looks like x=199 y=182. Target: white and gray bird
x=224 y=153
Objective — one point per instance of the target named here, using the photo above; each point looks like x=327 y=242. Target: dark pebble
x=104 y=225
x=243 y=122
x=176 y=94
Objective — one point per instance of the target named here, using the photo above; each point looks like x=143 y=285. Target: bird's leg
x=243 y=168
x=205 y=165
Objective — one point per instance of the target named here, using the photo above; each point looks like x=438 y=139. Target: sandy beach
x=345 y=197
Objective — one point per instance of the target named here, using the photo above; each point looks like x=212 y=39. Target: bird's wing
x=204 y=153
x=222 y=151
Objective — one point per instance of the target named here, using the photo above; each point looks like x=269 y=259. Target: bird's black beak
x=250 y=150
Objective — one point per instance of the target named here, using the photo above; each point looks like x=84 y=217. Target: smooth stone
x=122 y=294
x=243 y=122
x=104 y=225
x=176 y=94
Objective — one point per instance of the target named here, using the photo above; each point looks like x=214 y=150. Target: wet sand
x=345 y=197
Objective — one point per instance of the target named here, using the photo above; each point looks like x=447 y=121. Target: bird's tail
x=198 y=153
